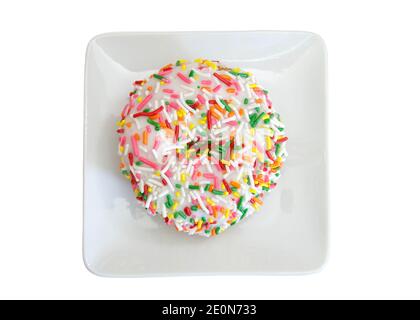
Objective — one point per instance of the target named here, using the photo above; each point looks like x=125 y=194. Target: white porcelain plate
x=289 y=234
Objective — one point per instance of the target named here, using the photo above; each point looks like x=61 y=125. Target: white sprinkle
x=187 y=88
x=149 y=199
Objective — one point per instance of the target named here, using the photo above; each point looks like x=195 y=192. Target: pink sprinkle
x=138 y=175
x=232 y=123
x=144 y=102
x=173 y=105
x=175 y=96
x=148 y=129
x=135 y=146
x=206 y=82
x=123 y=139
x=217 y=88
x=148 y=162
x=168 y=91
x=201 y=99
x=236 y=85
x=184 y=78
x=124 y=112
x=168 y=174
x=156 y=143
x=208 y=175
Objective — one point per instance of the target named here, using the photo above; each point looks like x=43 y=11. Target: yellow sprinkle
x=254 y=149
x=170 y=216
x=196 y=77
x=236 y=70
x=183 y=178
x=198 y=60
x=211 y=220
x=157 y=173
x=199 y=224
x=162 y=83
x=176 y=122
x=150 y=189
x=183 y=67
x=253 y=85
x=252 y=190
x=252 y=131
x=225 y=162
x=175 y=205
x=202 y=121
x=178 y=194
x=139 y=99
x=192 y=126
x=121 y=149
x=236 y=194
x=210 y=201
x=269 y=143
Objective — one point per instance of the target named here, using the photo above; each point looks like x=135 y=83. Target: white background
x=374 y=114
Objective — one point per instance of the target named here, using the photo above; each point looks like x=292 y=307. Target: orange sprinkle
x=257 y=200
x=235 y=184
x=207 y=88
x=214 y=114
x=258 y=100
x=128 y=124
x=231 y=90
x=220 y=109
x=150 y=88
x=241 y=112
x=122 y=165
x=213 y=232
x=145 y=137
x=231 y=114
x=136 y=136
x=211 y=188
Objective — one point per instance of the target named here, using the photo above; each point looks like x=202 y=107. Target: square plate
x=290 y=233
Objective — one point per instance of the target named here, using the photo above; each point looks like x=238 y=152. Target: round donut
x=200 y=144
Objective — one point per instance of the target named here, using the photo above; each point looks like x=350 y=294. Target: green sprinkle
x=191 y=74
x=233 y=72
x=189 y=102
x=267 y=121
x=243 y=75
x=181 y=213
x=233 y=223
x=246 y=101
x=167 y=205
x=146 y=110
x=228 y=109
x=178 y=63
x=169 y=200
x=152 y=122
x=124 y=172
x=193 y=187
x=255 y=122
x=265 y=91
x=241 y=199
x=138 y=163
x=277 y=149
x=203 y=219
x=234 y=189
x=158 y=76
x=207 y=187
x=178 y=185
x=218 y=192
x=266 y=189
x=217 y=230
x=194 y=208
x=206 y=231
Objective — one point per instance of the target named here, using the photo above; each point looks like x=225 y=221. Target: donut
x=201 y=145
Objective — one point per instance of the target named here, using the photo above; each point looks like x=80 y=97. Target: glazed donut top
x=201 y=144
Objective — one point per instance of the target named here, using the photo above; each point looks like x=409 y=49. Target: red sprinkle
x=187 y=211
x=164 y=182
x=176 y=133
x=131 y=158
x=148 y=114
x=270 y=155
x=225 y=81
x=228 y=189
x=283 y=139
x=209 y=119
